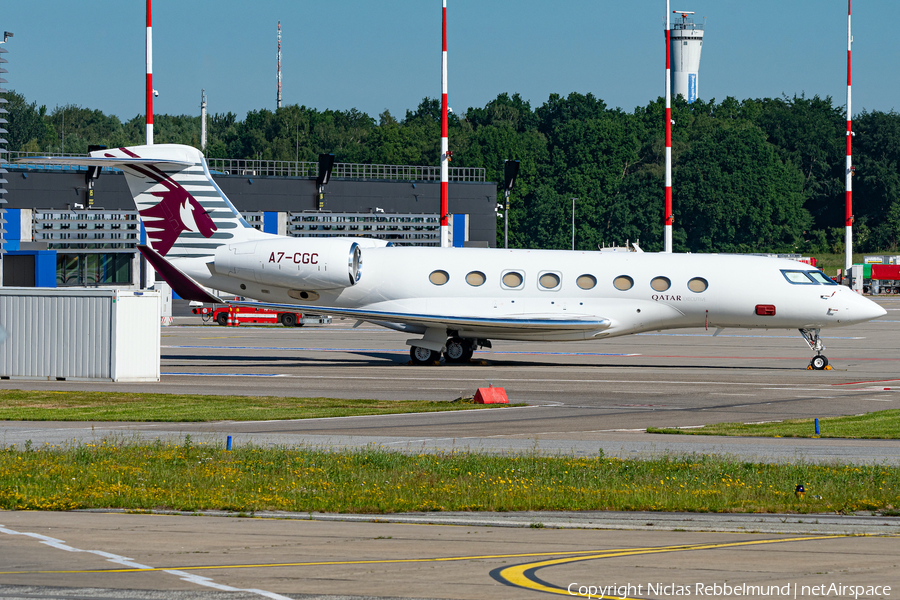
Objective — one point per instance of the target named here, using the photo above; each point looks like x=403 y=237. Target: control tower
x=686 y=43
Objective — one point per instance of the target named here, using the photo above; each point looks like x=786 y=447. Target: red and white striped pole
x=668 y=216
x=445 y=143
x=149 y=76
x=278 y=99
x=848 y=220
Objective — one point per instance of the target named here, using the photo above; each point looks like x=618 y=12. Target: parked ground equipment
x=261 y=316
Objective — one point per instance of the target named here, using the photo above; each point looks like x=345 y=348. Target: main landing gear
x=456 y=350
x=459 y=350
x=818 y=362
x=423 y=356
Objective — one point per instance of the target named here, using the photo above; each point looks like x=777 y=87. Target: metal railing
x=270 y=168
x=406 y=172
x=687 y=24
x=284 y=168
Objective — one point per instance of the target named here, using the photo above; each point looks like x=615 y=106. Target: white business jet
x=455 y=300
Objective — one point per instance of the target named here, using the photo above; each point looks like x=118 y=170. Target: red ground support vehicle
x=247 y=315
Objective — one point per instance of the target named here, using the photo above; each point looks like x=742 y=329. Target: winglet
x=181 y=283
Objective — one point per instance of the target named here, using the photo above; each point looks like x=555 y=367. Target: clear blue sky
x=373 y=55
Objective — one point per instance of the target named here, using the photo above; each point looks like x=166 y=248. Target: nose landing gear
x=818 y=362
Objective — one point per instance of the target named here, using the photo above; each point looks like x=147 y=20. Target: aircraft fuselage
x=635 y=291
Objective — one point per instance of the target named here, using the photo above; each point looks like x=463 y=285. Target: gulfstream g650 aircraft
x=454 y=300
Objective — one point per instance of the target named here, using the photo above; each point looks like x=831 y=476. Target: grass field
x=20 y=405
x=186 y=476
x=882 y=425
x=830 y=263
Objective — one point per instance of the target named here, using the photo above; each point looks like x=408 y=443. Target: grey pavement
x=118 y=555
x=582 y=397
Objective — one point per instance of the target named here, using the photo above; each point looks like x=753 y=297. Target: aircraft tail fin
x=184 y=213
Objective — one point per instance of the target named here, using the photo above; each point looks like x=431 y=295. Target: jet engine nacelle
x=300 y=263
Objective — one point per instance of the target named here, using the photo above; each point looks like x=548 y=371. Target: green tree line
x=758 y=175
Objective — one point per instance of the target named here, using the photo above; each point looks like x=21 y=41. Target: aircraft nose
x=865 y=310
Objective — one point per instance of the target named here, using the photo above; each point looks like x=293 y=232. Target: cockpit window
x=821 y=277
x=798 y=277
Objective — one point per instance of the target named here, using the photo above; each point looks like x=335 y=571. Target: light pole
x=506 y=221
x=510 y=171
x=573 y=222
x=848 y=220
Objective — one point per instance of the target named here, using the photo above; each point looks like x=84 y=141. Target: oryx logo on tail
x=176 y=212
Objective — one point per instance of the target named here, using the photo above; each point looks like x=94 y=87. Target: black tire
x=458 y=350
x=222 y=319
x=819 y=362
x=422 y=356
x=288 y=319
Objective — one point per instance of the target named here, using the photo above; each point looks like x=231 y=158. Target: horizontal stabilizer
x=100 y=161
x=181 y=283
x=518 y=322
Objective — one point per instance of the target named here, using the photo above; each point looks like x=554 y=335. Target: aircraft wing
x=532 y=322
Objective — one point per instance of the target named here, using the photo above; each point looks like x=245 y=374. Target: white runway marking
x=455 y=389
x=127 y=562
x=794 y=389
x=825 y=386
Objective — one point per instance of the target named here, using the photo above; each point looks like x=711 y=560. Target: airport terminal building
x=65 y=227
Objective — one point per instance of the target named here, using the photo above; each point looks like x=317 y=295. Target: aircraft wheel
x=422 y=356
x=819 y=362
x=458 y=350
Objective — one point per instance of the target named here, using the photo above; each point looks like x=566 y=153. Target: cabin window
x=821 y=277
x=698 y=284
x=660 y=284
x=475 y=278
x=798 y=277
x=586 y=282
x=623 y=282
x=512 y=279
x=439 y=277
x=549 y=281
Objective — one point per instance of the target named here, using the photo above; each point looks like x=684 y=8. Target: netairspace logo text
x=834 y=590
